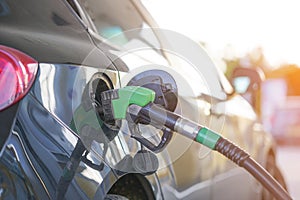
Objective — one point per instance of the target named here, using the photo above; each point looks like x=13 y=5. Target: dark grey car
x=83 y=48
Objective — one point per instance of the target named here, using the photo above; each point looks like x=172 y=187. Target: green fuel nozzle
x=116 y=102
x=135 y=104
x=138 y=102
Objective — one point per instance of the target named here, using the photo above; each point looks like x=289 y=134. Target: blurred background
x=258 y=34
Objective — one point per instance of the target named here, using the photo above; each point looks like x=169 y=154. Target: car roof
x=49 y=31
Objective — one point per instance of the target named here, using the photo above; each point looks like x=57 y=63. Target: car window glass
x=119 y=22
x=113 y=18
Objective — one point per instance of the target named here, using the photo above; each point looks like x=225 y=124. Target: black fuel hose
x=243 y=159
x=159 y=117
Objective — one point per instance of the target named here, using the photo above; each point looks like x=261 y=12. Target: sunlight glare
x=244 y=25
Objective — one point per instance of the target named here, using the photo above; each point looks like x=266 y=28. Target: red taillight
x=17 y=73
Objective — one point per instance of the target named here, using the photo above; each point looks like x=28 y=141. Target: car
x=58 y=57
x=284 y=129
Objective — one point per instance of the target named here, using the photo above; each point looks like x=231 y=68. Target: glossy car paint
x=43 y=126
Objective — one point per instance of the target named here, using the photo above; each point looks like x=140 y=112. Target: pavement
x=288 y=159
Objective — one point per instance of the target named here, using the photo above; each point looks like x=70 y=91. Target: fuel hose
x=158 y=117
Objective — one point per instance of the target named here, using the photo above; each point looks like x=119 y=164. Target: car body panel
x=48 y=145
x=43 y=124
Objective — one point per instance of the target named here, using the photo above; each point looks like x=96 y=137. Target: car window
x=120 y=23
x=112 y=19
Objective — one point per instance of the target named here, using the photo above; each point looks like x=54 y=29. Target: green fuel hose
x=158 y=117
